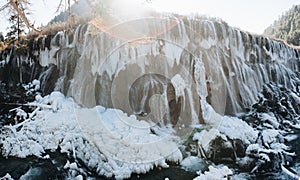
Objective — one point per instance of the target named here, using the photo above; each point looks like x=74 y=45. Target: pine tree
x=17 y=24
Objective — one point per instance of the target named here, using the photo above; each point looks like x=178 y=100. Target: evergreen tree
x=17 y=24
x=1 y=37
x=287 y=27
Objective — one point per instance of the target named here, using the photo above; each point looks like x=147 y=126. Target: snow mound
x=205 y=137
x=137 y=141
x=105 y=140
x=230 y=127
x=193 y=163
x=236 y=128
x=215 y=173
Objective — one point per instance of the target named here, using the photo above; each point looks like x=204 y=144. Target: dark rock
x=221 y=151
x=48 y=79
x=239 y=147
x=16 y=167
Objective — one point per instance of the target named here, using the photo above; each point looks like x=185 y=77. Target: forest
x=287 y=27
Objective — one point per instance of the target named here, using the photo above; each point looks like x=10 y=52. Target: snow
x=270 y=118
x=73 y=166
x=21 y=113
x=231 y=127
x=106 y=140
x=67 y=165
x=253 y=149
x=79 y=177
x=271 y=136
x=295 y=97
x=33 y=86
x=134 y=139
x=215 y=173
x=205 y=137
x=209 y=115
x=46 y=156
x=36 y=84
x=264 y=157
x=179 y=85
x=6 y=177
x=236 y=128
x=73 y=170
x=297 y=126
x=290 y=174
x=193 y=163
x=290 y=137
x=2 y=63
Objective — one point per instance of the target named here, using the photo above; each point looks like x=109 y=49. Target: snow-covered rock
x=33 y=86
x=215 y=173
x=193 y=163
x=6 y=177
x=235 y=128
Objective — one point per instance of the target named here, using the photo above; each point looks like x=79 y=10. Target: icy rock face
x=221 y=65
x=235 y=64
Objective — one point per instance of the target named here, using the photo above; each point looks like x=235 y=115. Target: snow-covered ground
x=106 y=140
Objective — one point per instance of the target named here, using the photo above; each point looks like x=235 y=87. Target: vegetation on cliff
x=287 y=27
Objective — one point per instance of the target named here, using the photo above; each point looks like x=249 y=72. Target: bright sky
x=250 y=15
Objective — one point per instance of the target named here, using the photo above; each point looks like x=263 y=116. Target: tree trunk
x=23 y=16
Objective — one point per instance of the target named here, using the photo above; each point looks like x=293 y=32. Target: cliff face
x=189 y=64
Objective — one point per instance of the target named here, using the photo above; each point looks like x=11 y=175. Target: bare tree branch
x=4 y=6
x=23 y=16
x=59 y=6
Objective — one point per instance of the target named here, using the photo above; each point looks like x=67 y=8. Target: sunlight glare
x=128 y=8
x=182 y=7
